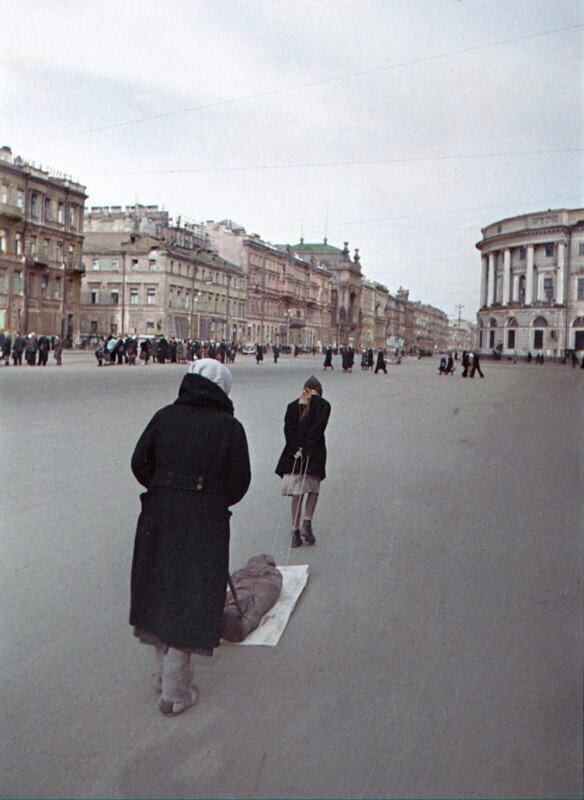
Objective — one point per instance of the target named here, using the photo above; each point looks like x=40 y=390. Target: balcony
x=74 y=266
x=9 y=211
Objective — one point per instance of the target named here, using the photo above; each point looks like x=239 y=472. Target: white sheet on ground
x=274 y=623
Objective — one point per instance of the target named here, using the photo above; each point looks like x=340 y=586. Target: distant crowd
x=34 y=349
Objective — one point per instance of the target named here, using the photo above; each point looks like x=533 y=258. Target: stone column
x=560 y=290
x=506 y=277
x=491 y=280
x=529 y=276
x=484 y=269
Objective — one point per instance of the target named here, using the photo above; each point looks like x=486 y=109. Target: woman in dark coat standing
x=193 y=460
x=303 y=460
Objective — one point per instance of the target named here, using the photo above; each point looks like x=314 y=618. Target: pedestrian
x=380 y=361
x=5 y=347
x=18 y=349
x=328 y=358
x=193 y=461
x=303 y=460
x=465 y=361
x=44 y=347
x=131 y=347
x=172 y=348
x=144 y=350
x=345 y=358
x=476 y=364
x=120 y=351
x=529 y=357
x=58 y=350
x=364 y=360
x=276 y=351
x=370 y=358
x=351 y=359
x=259 y=354
x=100 y=353
x=30 y=349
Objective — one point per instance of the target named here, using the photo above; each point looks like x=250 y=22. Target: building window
x=2 y=241
x=3 y=282
x=549 y=250
x=17 y=282
x=522 y=253
x=34 y=205
x=115 y=295
x=581 y=249
x=57 y=289
x=538 y=340
x=18 y=244
x=94 y=297
x=32 y=246
x=492 y=339
x=152 y=264
x=151 y=296
x=61 y=214
x=95 y=263
x=93 y=326
x=47 y=210
x=115 y=263
x=548 y=288
x=72 y=217
x=20 y=198
x=133 y=297
x=135 y=264
x=4 y=194
x=580 y=289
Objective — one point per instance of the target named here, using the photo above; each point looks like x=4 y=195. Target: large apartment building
x=149 y=274
x=41 y=240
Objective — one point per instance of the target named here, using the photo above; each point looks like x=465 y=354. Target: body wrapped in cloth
x=258 y=586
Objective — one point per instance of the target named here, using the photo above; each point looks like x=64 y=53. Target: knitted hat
x=314 y=383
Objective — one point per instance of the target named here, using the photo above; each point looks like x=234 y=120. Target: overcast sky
x=167 y=102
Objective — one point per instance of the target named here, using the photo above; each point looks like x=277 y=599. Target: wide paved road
x=436 y=651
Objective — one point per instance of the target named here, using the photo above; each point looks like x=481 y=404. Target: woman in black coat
x=193 y=460
x=303 y=460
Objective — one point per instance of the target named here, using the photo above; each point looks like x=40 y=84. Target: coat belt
x=179 y=480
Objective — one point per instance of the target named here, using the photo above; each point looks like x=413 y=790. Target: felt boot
x=177 y=692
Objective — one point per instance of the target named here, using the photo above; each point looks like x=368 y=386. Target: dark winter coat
x=307 y=434
x=328 y=359
x=193 y=460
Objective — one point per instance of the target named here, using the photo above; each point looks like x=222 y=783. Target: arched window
x=512 y=323
x=492 y=322
x=540 y=322
x=578 y=322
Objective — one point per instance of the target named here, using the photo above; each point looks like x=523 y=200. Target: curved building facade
x=532 y=284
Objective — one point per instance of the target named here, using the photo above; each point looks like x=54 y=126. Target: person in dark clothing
x=380 y=361
x=465 y=361
x=476 y=364
x=145 y=350
x=529 y=357
x=370 y=358
x=172 y=348
x=44 y=348
x=303 y=460
x=328 y=358
x=345 y=358
x=30 y=348
x=120 y=351
x=162 y=350
x=17 y=350
x=193 y=461
x=259 y=354
x=276 y=351
x=351 y=359
x=5 y=347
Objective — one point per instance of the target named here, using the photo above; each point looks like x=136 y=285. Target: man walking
x=476 y=365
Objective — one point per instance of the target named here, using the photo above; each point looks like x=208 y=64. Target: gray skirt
x=296 y=485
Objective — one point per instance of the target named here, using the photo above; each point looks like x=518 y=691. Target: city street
x=435 y=652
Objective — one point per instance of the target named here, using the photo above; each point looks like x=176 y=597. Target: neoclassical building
x=532 y=284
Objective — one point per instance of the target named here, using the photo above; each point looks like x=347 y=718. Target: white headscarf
x=214 y=371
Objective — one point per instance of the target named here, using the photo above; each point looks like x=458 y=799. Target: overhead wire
x=309 y=84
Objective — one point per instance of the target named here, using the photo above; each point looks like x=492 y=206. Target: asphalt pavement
x=437 y=648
